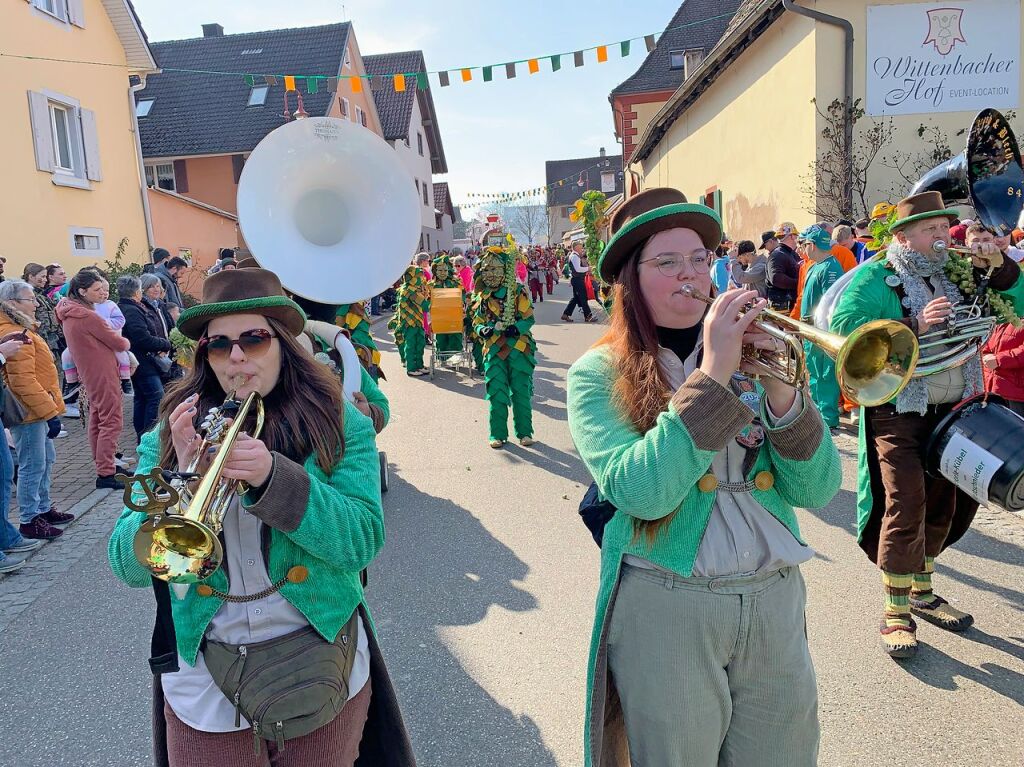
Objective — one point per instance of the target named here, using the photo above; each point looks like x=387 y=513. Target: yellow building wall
x=34 y=213
x=751 y=134
x=884 y=182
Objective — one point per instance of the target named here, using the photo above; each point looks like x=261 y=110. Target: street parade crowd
x=266 y=406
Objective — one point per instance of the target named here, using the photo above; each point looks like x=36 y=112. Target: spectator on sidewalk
x=48 y=328
x=31 y=376
x=144 y=329
x=1002 y=362
x=750 y=268
x=12 y=542
x=56 y=278
x=94 y=345
x=153 y=294
x=168 y=271
x=783 y=269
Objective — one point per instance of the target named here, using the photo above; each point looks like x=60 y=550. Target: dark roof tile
x=570 y=170
x=208 y=114
x=656 y=74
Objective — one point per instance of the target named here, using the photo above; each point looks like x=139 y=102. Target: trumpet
x=179 y=542
x=873 y=364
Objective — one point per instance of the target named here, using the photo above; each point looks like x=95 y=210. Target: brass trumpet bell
x=873 y=364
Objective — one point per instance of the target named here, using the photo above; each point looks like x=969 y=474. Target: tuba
x=179 y=542
x=988 y=175
x=873 y=363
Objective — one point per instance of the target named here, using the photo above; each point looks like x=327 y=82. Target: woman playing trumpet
x=698 y=653
x=294 y=544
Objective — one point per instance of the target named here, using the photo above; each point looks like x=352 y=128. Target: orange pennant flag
x=399 y=83
x=356 y=83
x=289 y=82
x=467 y=75
x=534 y=66
x=602 y=54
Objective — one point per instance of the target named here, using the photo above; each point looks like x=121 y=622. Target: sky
x=496 y=135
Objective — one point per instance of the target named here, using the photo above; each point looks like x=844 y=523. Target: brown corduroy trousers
x=336 y=744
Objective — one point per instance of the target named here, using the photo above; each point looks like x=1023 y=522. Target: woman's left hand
x=249 y=461
x=780 y=395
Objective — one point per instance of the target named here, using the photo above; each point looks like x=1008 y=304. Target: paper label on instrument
x=968 y=466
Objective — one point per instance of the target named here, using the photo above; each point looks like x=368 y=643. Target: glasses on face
x=253 y=343
x=671 y=264
x=26 y=300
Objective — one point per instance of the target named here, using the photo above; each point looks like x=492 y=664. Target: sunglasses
x=253 y=343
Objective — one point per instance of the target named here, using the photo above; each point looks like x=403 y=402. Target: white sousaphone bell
x=328 y=206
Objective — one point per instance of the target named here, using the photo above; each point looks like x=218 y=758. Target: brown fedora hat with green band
x=650 y=212
x=242 y=291
x=919 y=207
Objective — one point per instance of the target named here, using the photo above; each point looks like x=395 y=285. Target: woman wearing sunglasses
x=294 y=545
x=698 y=653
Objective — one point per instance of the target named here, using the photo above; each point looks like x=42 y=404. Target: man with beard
x=906 y=517
x=502 y=318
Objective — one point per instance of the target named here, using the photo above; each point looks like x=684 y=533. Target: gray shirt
x=741 y=536
x=753 y=277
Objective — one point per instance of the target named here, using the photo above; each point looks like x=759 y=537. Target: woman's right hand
x=183 y=431
x=724 y=327
x=9 y=348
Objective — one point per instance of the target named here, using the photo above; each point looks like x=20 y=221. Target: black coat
x=145 y=332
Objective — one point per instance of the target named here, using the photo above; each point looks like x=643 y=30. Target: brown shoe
x=591 y=318
x=40 y=529
x=899 y=641
x=566 y=318
x=941 y=613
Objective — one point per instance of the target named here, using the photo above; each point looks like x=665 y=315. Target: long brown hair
x=640 y=391
x=303 y=412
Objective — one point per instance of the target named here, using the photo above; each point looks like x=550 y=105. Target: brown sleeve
x=710 y=412
x=377 y=416
x=799 y=439
x=281 y=502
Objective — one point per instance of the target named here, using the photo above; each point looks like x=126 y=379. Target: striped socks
x=922 y=587
x=897 y=598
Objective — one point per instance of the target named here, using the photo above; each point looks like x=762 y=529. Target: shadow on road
x=1013 y=597
x=442 y=568
x=551 y=460
x=838 y=514
x=937 y=669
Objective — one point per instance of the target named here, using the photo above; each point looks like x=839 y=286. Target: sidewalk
x=73 y=490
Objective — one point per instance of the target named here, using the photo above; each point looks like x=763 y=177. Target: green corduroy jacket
x=331 y=524
x=648 y=476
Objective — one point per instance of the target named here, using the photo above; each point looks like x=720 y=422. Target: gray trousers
x=714 y=672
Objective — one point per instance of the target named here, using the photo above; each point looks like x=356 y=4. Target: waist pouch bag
x=12 y=410
x=162 y=364
x=595 y=513
x=286 y=687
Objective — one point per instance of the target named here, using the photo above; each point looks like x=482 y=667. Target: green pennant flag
x=421 y=81
x=250 y=80
x=312 y=85
x=556 y=62
x=624 y=48
x=488 y=74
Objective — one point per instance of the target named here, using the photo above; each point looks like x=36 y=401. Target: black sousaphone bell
x=988 y=174
x=977 y=446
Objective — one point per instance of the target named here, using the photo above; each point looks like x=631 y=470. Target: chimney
x=213 y=30
x=603 y=153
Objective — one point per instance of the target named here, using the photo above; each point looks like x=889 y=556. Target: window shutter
x=42 y=135
x=180 y=177
x=76 y=13
x=91 y=145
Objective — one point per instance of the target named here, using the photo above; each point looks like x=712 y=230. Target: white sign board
x=926 y=58
x=968 y=466
x=608 y=181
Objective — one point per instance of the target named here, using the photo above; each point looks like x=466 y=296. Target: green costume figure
x=352 y=317
x=502 y=318
x=816 y=244
x=407 y=322
x=445 y=277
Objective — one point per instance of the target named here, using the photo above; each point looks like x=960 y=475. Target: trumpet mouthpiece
x=940 y=247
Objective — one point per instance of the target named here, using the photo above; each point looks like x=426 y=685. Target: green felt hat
x=921 y=206
x=650 y=212
x=242 y=291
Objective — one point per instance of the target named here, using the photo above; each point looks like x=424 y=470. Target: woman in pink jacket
x=94 y=344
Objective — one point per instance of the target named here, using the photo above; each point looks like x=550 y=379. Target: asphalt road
x=483 y=599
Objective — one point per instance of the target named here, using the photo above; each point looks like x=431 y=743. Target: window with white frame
x=142 y=107
x=161 y=175
x=65 y=139
x=676 y=59
x=86 y=241
x=258 y=95
x=360 y=116
x=348 y=60
x=64 y=11
x=344 y=106
x=56 y=8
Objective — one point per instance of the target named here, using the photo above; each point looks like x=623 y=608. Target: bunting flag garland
x=399 y=80
x=490 y=198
